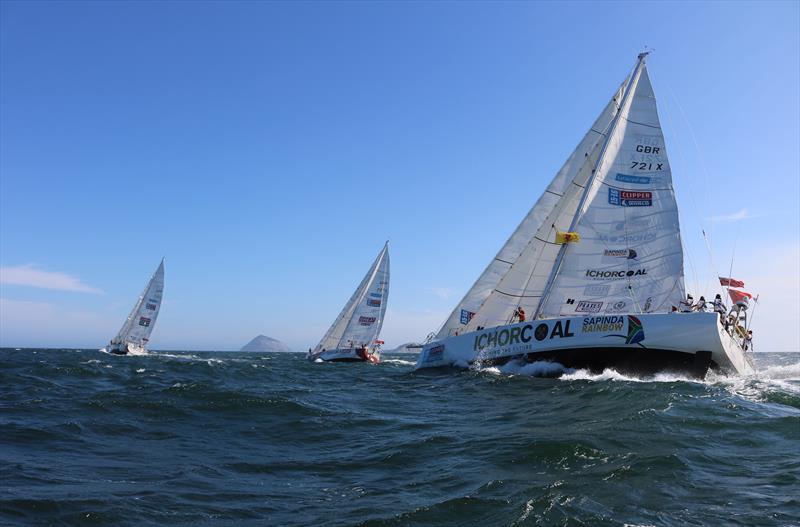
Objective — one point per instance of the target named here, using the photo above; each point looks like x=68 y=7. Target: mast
x=559 y=259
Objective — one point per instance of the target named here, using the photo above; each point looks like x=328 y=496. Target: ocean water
x=184 y=438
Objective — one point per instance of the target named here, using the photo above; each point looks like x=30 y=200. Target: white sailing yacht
x=135 y=332
x=590 y=277
x=353 y=337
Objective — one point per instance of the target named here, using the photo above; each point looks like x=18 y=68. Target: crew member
x=748 y=340
x=719 y=307
x=519 y=315
x=687 y=305
x=700 y=305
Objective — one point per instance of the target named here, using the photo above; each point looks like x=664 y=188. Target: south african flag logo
x=635 y=331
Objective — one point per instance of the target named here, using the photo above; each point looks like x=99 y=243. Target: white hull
x=646 y=343
x=127 y=348
x=346 y=355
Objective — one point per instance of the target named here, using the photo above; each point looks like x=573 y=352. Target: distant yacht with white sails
x=592 y=276
x=353 y=337
x=135 y=333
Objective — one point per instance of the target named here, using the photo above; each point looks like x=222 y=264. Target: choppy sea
x=187 y=438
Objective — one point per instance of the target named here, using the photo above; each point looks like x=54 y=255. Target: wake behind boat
x=135 y=333
x=353 y=337
x=598 y=263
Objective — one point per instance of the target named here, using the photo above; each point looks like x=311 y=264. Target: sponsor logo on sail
x=633 y=224
x=596 y=290
x=585 y=306
x=599 y=274
x=151 y=307
x=616 y=307
x=373 y=303
x=366 y=321
x=628 y=254
x=628 y=238
x=375 y=295
x=630 y=198
x=144 y=321
x=603 y=324
x=466 y=316
x=636 y=180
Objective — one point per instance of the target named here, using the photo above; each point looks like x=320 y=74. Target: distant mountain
x=264 y=343
x=408 y=347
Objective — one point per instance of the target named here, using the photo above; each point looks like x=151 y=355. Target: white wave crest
x=610 y=374
x=400 y=361
x=787 y=372
x=536 y=369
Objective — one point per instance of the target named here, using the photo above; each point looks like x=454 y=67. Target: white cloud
x=41 y=324
x=442 y=292
x=740 y=215
x=29 y=275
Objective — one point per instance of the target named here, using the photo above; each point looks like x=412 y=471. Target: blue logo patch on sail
x=373 y=303
x=151 y=307
x=466 y=316
x=375 y=295
x=637 y=180
x=144 y=321
x=630 y=198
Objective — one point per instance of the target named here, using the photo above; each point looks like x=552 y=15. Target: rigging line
x=703 y=164
x=681 y=216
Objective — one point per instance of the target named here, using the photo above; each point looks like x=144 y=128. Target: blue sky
x=268 y=149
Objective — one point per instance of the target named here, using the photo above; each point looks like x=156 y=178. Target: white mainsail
x=528 y=239
x=361 y=319
x=142 y=319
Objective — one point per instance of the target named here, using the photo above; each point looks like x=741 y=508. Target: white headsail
x=511 y=279
x=361 y=319
x=629 y=258
x=142 y=319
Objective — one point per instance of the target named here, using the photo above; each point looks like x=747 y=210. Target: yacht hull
x=125 y=349
x=346 y=355
x=645 y=344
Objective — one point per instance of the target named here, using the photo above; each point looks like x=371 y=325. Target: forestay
x=361 y=319
x=517 y=274
x=142 y=319
x=629 y=258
